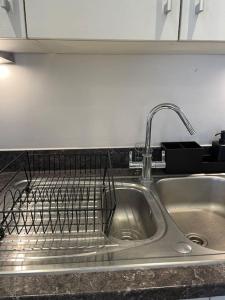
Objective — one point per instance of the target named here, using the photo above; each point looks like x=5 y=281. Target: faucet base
x=147 y=166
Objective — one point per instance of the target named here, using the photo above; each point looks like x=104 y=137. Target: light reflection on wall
x=4 y=71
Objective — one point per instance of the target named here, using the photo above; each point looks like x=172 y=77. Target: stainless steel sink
x=197 y=206
x=173 y=221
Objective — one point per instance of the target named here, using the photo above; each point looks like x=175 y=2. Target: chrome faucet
x=147 y=163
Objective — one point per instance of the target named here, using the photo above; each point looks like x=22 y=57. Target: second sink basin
x=197 y=206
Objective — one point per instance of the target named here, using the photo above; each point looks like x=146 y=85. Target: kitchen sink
x=197 y=206
x=172 y=221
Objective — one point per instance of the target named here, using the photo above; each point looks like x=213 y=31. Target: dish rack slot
x=66 y=193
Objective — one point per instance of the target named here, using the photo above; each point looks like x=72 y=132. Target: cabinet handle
x=5 y=5
x=167 y=7
x=199 y=7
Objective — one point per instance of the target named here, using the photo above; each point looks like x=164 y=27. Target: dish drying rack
x=56 y=195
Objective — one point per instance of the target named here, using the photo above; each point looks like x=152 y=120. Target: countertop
x=163 y=283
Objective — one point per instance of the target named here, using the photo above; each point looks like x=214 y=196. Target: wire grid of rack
x=69 y=195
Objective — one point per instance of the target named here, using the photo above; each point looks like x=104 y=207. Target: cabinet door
x=12 y=21
x=203 y=20
x=103 y=19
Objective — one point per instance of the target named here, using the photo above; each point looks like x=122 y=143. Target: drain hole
x=127 y=235
x=197 y=239
x=127 y=238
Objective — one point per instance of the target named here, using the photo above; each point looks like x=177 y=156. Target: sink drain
x=129 y=235
x=197 y=239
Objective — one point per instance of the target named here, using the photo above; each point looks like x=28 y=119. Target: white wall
x=100 y=101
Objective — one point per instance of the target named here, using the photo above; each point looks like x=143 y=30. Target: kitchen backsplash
x=72 y=101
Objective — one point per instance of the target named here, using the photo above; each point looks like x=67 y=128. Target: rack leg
x=2 y=233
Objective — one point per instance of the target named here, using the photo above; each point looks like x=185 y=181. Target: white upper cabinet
x=203 y=20
x=103 y=19
x=12 y=21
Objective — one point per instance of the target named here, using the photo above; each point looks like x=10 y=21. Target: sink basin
x=133 y=218
x=137 y=221
x=197 y=206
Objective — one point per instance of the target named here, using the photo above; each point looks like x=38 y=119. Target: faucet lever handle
x=130 y=155
x=163 y=155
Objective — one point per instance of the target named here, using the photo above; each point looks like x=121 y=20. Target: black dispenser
x=218 y=147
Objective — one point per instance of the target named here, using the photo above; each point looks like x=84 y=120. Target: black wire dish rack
x=49 y=193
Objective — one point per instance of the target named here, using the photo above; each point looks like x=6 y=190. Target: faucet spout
x=147 y=160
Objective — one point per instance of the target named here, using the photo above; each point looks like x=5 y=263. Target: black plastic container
x=208 y=165
x=183 y=157
x=218 y=147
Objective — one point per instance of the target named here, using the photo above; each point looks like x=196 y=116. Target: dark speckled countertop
x=163 y=283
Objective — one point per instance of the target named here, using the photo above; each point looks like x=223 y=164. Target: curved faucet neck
x=147 y=160
x=150 y=116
